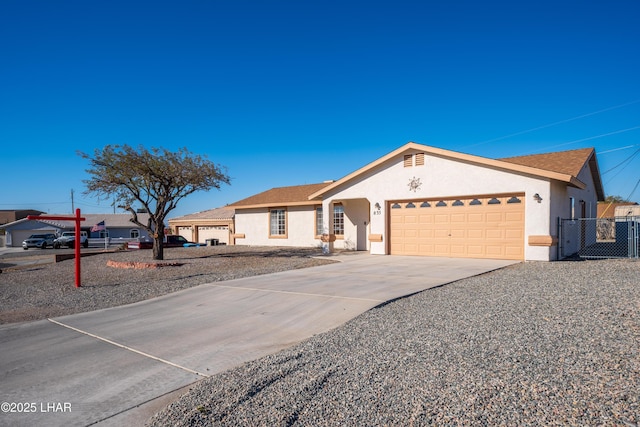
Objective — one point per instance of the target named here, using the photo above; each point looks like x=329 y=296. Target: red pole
x=77 y=219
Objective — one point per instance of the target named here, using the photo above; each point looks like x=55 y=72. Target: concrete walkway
x=119 y=366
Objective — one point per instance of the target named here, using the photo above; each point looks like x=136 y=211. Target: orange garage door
x=470 y=227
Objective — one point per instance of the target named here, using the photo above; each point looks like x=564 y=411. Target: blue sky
x=294 y=92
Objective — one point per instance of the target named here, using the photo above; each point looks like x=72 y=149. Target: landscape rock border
x=141 y=265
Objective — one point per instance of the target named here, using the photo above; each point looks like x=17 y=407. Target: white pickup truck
x=68 y=239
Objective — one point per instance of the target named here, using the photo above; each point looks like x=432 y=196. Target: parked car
x=39 y=241
x=175 y=241
x=68 y=239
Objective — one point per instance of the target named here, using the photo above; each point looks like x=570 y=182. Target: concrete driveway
x=119 y=366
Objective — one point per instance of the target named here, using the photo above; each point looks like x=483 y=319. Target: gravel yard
x=532 y=344
x=40 y=291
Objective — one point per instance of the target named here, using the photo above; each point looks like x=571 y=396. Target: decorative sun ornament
x=414 y=184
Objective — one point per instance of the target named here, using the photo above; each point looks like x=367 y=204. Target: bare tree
x=158 y=179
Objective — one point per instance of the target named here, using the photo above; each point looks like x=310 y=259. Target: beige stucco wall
x=254 y=225
x=439 y=177
x=442 y=177
x=561 y=196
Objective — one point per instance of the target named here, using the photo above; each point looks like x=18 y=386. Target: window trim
x=315 y=222
x=338 y=236
x=286 y=223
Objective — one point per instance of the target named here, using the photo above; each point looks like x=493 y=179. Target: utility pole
x=72 y=206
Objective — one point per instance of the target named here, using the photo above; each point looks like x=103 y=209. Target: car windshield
x=38 y=236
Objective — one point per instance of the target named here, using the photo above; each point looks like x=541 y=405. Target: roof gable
x=281 y=196
x=523 y=167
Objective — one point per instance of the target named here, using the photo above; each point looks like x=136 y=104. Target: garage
x=186 y=233
x=464 y=227
x=220 y=232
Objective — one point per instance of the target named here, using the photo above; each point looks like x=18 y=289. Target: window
x=419 y=159
x=475 y=202
x=458 y=203
x=425 y=205
x=395 y=206
x=494 y=201
x=408 y=160
x=319 y=226
x=514 y=200
x=278 y=222
x=440 y=204
x=338 y=220
x=134 y=233
x=410 y=205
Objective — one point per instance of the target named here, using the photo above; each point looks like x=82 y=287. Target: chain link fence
x=599 y=238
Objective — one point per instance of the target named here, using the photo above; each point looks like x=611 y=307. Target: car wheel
x=44 y=245
x=25 y=248
x=86 y=244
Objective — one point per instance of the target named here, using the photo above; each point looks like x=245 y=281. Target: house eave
x=279 y=204
x=483 y=161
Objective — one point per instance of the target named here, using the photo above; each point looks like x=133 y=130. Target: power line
x=555 y=123
x=633 y=191
x=594 y=137
x=628 y=159
x=617 y=149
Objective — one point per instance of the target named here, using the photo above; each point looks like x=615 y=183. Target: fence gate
x=599 y=238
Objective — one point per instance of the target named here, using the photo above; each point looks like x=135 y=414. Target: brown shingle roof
x=217 y=213
x=280 y=196
x=568 y=162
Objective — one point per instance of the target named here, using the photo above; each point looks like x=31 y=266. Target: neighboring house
x=422 y=200
x=116 y=226
x=202 y=226
x=627 y=211
x=7 y=216
x=611 y=210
